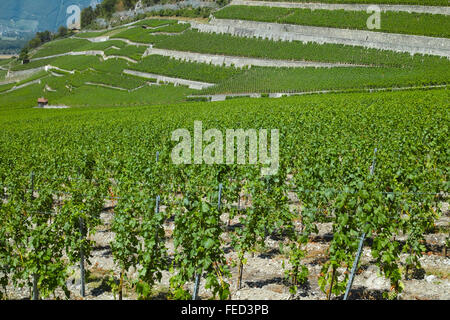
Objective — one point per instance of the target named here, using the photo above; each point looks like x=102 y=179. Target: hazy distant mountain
x=36 y=15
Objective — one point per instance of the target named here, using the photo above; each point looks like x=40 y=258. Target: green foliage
x=72 y=91
x=2 y=74
x=111 y=79
x=91 y=34
x=4 y=62
x=86 y=96
x=87 y=17
x=142 y=35
x=411 y=2
x=188 y=12
x=195 y=41
x=330 y=177
x=197 y=242
x=130 y=51
x=261 y=79
x=395 y=22
x=65 y=62
x=24 y=54
x=75 y=45
x=62 y=32
x=153 y=23
x=58 y=47
x=185 y=70
x=115 y=66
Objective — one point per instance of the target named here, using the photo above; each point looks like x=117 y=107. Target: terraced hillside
x=226 y=56
x=363 y=120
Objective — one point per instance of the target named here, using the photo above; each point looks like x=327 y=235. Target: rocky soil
x=263 y=276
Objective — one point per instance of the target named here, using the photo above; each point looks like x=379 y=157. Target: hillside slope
x=171 y=60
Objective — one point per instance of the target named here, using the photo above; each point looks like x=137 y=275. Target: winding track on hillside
x=95 y=84
x=197 y=85
x=288 y=32
x=107 y=38
x=220 y=60
x=17 y=75
x=21 y=86
x=86 y=53
x=346 y=7
x=215 y=59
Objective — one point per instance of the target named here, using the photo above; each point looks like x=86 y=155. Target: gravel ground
x=263 y=275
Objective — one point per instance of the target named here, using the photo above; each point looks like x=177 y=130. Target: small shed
x=42 y=102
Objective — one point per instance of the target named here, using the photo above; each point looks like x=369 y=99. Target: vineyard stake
x=32 y=185
x=196 y=285
x=331 y=284
x=355 y=264
x=239 y=283
x=239 y=202
x=121 y=285
x=35 y=276
x=157 y=204
x=82 y=271
x=361 y=241
x=157 y=211
x=220 y=197
x=35 y=288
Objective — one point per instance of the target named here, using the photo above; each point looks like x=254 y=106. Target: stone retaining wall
x=369 y=39
x=238 y=62
x=197 y=85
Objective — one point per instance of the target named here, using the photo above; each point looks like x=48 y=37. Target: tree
x=108 y=7
x=62 y=32
x=44 y=36
x=148 y=3
x=222 y=3
x=34 y=43
x=23 y=54
x=87 y=16
x=129 y=4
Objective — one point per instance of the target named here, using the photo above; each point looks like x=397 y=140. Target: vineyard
x=260 y=48
x=132 y=52
x=124 y=48
x=363 y=174
x=145 y=36
x=287 y=80
x=194 y=71
x=93 y=205
x=400 y=2
x=395 y=22
x=79 y=63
